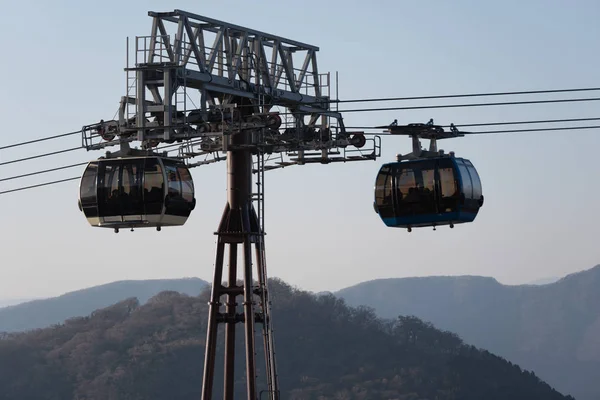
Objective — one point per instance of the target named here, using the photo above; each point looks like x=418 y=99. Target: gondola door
x=130 y=190
x=88 y=193
x=429 y=184
x=108 y=193
x=405 y=198
x=119 y=194
x=448 y=187
x=154 y=189
x=180 y=192
x=416 y=183
x=384 y=194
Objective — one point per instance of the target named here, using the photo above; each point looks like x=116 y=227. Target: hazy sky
x=62 y=67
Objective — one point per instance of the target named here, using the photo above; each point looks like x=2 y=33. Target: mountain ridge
x=475 y=307
x=552 y=280
x=41 y=313
x=327 y=350
x=551 y=329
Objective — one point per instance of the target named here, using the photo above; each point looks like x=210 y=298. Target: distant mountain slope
x=325 y=350
x=42 y=313
x=544 y=281
x=552 y=329
x=12 y=302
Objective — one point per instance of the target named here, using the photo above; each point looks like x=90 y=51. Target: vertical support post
x=324 y=119
x=249 y=320
x=230 y=310
x=238 y=226
x=269 y=345
x=416 y=145
x=140 y=104
x=168 y=103
x=203 y=101
x=220 y=54
x=239 y=191
x=124 y=106
x=433 y=145
x=211 y=331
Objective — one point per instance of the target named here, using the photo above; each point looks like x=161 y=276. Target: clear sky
x=62 y=67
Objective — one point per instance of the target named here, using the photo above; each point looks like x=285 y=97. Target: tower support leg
x=211 y=330
x=230 y=327
x=239 y=226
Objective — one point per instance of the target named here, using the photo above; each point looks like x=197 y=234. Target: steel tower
x=214 y=91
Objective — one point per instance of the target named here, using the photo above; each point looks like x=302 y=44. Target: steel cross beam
x=274 y=75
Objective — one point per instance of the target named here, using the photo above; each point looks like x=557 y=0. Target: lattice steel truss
x=209 y=79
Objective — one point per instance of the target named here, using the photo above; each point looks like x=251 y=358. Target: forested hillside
x=325 y=350
x=552 y=329
x=45 y=312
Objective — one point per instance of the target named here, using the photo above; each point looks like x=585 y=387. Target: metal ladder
x=181 y=103
x=265 y=303
x=130 y=82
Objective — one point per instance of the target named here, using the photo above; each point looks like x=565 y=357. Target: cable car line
x=78 y=132
x=65 y=151
x=43 y=171
x=500 y=123
x=40 y=155
x=355 y=127
x=508 y=103
x=40 y=140
x=371 y=133
x=403 y=108
x=565 y=128
x=452 y=96
x=40 y=184
x=366 y=133
x=448 y=96
x=547 y=121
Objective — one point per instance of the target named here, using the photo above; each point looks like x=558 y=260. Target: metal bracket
x=418 y=131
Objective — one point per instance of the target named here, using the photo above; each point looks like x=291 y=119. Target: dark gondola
x=135 y=192
x=434 y=191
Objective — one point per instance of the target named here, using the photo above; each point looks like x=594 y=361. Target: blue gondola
x=444 y=190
